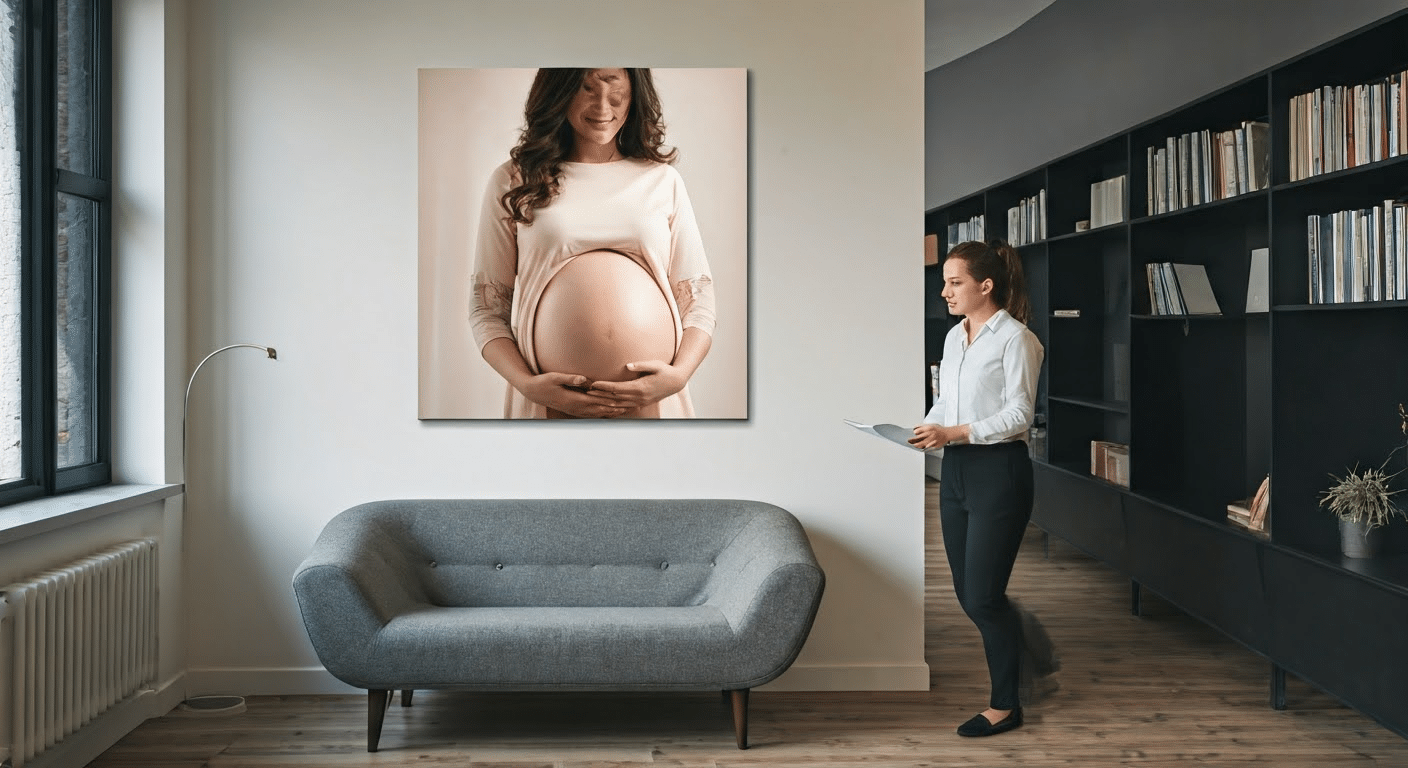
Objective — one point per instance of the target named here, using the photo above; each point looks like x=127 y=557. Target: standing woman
x=987 y=395
x=591 y=294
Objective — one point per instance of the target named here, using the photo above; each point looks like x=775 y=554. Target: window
x=55 y=211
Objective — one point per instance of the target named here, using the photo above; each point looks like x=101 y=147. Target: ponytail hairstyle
x=999 y=262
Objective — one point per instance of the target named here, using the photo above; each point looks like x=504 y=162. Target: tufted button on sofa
x=541 y=595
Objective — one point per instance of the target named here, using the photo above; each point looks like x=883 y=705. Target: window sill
x=31 y=518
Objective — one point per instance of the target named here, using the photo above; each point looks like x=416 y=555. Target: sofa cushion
x=555 y=647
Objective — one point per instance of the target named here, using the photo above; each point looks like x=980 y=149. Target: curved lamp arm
x=186 y=408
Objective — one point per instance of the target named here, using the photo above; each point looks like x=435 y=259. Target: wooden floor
x=1155 y=691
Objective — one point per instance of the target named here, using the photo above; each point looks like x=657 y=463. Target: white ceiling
x=953 y=28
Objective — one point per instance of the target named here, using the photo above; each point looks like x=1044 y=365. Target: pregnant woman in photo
x=591 y=292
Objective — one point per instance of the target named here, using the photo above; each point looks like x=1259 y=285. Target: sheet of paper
x=895 y=434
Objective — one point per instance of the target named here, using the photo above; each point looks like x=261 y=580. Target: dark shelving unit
x=1210 y=405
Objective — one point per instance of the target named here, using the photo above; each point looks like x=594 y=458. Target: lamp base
x=212 y=706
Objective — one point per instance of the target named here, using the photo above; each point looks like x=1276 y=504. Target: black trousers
x=985 y=502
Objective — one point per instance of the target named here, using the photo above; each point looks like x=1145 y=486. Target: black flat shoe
x=979 y=725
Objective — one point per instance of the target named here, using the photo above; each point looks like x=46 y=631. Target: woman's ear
x=987 y=286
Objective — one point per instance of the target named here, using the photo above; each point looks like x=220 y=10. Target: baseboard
x=263 y=681
x=292 y=681
x=852 y=677
x=105 y=730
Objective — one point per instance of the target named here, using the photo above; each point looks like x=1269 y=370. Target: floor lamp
x=210 y=705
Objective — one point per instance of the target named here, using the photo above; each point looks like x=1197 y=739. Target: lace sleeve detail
x=695 y=298
x=490 y=305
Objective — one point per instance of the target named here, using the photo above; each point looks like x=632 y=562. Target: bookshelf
x=1209 y=405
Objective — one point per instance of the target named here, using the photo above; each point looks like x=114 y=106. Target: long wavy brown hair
x=999 y=262
x=546 y=139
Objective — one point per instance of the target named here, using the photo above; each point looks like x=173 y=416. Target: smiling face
x=966 y=296
x=597 y=113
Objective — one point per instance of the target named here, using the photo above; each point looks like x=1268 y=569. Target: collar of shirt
x=994 y=325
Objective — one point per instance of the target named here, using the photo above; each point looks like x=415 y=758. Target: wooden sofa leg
x=377 y=702
x=406 y=697
x=740 y=716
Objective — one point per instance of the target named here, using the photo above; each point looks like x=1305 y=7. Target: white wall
x=303 y=236
x=149 y=118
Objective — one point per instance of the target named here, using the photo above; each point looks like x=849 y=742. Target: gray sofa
x=533 y=595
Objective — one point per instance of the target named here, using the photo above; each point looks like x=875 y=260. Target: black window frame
x=42 y=181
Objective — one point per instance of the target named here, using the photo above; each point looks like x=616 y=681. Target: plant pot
x=1358 y=540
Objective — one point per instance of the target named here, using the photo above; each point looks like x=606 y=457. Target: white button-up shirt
x=990 y=385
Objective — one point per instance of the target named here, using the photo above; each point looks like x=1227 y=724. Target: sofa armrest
x=768 y=585
x=354 y=581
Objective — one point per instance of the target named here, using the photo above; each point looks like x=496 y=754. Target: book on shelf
x=1194 y=290
x=931 y=249
x=1180 y=289
x=1227 y=143
x=1150 y=163
x=1109 y=461
x=1261 y=504
x=1259 y=281
x=1041 y=206
x=1251 y=514
x=1258 y=154
x=1195 y=169
x=1185 y=196
x=1107 y=201
x=1239 y=142
x=1065 y=313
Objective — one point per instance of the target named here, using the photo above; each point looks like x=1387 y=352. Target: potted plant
x=1363 y=502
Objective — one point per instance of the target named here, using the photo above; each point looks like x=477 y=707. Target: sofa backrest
x=560 y=553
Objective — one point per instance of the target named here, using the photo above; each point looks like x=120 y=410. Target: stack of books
x=1110 y=462
x=1251 y=513
x=1026 y=223
x=963 y=231
x=1206 y=166
x=1335 y=127
x=1359 y=255
x=1180 y=289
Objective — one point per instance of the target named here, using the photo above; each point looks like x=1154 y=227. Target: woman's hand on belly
x=658 y=380
x=566 y=392
x=571 y=394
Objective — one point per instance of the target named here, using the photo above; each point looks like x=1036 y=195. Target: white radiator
x=74 y=642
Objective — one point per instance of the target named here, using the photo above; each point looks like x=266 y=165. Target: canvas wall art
x=583 y=244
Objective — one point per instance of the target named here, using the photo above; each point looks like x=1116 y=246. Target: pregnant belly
x=599 y=312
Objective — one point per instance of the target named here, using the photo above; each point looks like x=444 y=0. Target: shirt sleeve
x=933 y=416
x=495 y=264
x=690 y=278
x=1021 y=367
